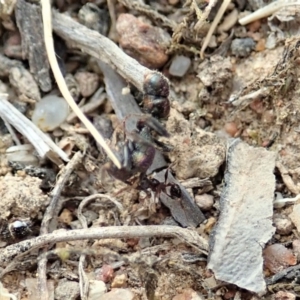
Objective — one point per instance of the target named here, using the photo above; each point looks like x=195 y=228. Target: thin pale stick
x=46 y=12
x=214 y=25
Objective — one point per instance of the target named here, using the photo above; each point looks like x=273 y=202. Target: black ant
x=155 y=100
x=161 y=187
x=135 y=150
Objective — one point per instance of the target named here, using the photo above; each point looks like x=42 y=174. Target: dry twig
x=187 y=235
x=100 y=47
x=49 y=215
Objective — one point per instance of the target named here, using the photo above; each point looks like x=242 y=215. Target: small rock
x=13 y=46
x=283 y=225
x=119 y=281
x=231 y=128
x=33 y=289
x=283 y=295
x=66 y=216
x=97 y=289
x=242 y=47
x=105 y=273
x=50 y=112
x=205 y=201
x=146 y=43
x=94 y=18
x=21 y=197
x=277 y=258
x=88 y=82
x=229 y=21
x=188 y=294
x=24 y=83
x=179 y=65
x=67 y=290
x=118 y=294
x=254 y=26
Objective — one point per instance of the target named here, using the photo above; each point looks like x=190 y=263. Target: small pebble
x=254 y=26
x=242 y=47
x=118 y=294
x=67 y=290
x=66 y=216
x=97 y=289
x=94 y=18
x=277 y=258
x=229 y=21
x=284 y=295
x=283 y=225
x=231 y=128
x=146 y=43
x=22 y=154
x=105 y=273
x=205 y=201
x=119 y=281
x=13 y=46
x=50 y=112
x=179 y=66
x=268 y=116
x=271 y=41
x=88 y=82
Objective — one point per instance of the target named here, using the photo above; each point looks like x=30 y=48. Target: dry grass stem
x=213 y=26
x=266 y=11
x=41 y=142
x=46 y=12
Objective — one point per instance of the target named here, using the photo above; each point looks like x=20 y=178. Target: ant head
x=175 y=190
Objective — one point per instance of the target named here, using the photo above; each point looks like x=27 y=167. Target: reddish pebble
x=257 y=105
x=231 y=128
x=277 y=258
x=146 y=43
x=105 y=273
x=283 y=295
x=254 y=26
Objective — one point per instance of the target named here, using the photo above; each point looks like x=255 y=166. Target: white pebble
x=50 y=112
x=179 y=65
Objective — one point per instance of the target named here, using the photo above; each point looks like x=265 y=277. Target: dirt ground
x=243 y=85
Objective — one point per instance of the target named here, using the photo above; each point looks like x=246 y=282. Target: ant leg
x=143 y=120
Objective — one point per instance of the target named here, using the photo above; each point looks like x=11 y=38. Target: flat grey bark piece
x=30 y=24
x=245 y=222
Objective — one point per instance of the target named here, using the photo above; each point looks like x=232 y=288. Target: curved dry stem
x=46 y=12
